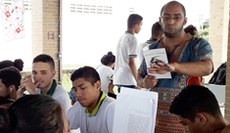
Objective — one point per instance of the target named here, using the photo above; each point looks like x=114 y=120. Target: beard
x=173 y=34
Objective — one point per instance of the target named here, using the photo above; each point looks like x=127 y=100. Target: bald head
x=173 y=3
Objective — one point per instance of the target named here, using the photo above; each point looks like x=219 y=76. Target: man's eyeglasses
x=167 y=18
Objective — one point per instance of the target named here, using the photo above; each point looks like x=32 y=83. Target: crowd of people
x=36 y=103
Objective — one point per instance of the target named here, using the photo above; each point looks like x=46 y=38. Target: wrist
x=174 y=68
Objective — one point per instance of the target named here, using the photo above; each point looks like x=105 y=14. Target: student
x=105 y=70
x=93 y=111
x=18 y=63
x=10 y=79
x=191 y=30
x=42 y=81
x=37 y=114
x=198 y=109
x=125 y=71
x=156 y=34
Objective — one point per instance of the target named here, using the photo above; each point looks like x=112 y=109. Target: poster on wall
x=12 y=19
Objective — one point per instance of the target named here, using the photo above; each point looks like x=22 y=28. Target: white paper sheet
x=135 y=111
x=154 y=55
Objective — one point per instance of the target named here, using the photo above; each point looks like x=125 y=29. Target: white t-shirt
x=127 y=46
x=106 y=75
x=61 y=96
x=102 y=122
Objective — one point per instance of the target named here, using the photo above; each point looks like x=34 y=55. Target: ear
x=12 y=91
x=185 y=20
x=53 y=73
x=97 y=85
x=160 y=20
x=201 y=118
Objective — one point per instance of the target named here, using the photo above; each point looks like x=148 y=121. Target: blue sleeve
x=143 y=68
x=202 y=50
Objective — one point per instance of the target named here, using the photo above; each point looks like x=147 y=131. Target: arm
x=146 y=82
x=199 y=68
x=110 y=87
x=133 y=67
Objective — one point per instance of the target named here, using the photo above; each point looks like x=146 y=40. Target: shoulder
x=199 y=41
x=60 y=90
x=74 y=109
x=154 y=45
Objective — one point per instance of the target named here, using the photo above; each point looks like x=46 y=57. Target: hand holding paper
x=157 y=63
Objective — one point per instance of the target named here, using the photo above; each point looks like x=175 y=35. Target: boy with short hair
x=42 y=81
x=198 y=109
x=93 y=111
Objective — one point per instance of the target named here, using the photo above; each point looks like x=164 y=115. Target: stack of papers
x=135 y=111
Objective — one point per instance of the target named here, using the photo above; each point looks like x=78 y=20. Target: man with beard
x=188 y=57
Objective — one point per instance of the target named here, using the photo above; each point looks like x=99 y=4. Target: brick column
x=45 y=30
x=219 y=39
x=227 y=98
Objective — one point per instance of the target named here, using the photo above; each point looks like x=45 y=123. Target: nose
x=171 y=20
x=78 y=93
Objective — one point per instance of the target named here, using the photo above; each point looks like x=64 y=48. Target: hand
x=149 y=81
x=28 y=84
x=161 y=68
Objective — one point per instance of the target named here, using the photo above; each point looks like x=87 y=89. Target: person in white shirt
x=93 y=111
x=106 y=71
x=125 y=71
x=42 y=81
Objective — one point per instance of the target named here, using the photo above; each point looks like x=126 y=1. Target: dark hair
x=45 y=59
x=87 y=73
x=108 y=59
x=194 y=99
x=36 y=114
x=134 y=19
x=191 y=30
x=10 y=76
x=18 y=63
x=173 y=3
x=156 y=31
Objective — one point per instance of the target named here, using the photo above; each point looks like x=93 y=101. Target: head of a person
x=37 y=114
x=18 y=63
x=135 y=22
x=172 y=18
x=43 y=70
x=191 y=30
x=87 y=86
x=197 y=108
x=10 y=79
x=108 y=59
x=156 y=31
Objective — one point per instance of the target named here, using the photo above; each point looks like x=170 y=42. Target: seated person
x=10 y=78
x=37 y=114
x=42 y=81
x=93 y=111
x=198 y=109
x=18 y=63
x=105 y=71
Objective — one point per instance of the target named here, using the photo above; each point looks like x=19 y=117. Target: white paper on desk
x=153 y=55
x=135 y=111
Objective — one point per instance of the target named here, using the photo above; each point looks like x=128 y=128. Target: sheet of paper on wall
x=154 y=56
x=135 y=111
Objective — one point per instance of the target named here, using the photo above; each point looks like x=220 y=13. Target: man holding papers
x=188 y=56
